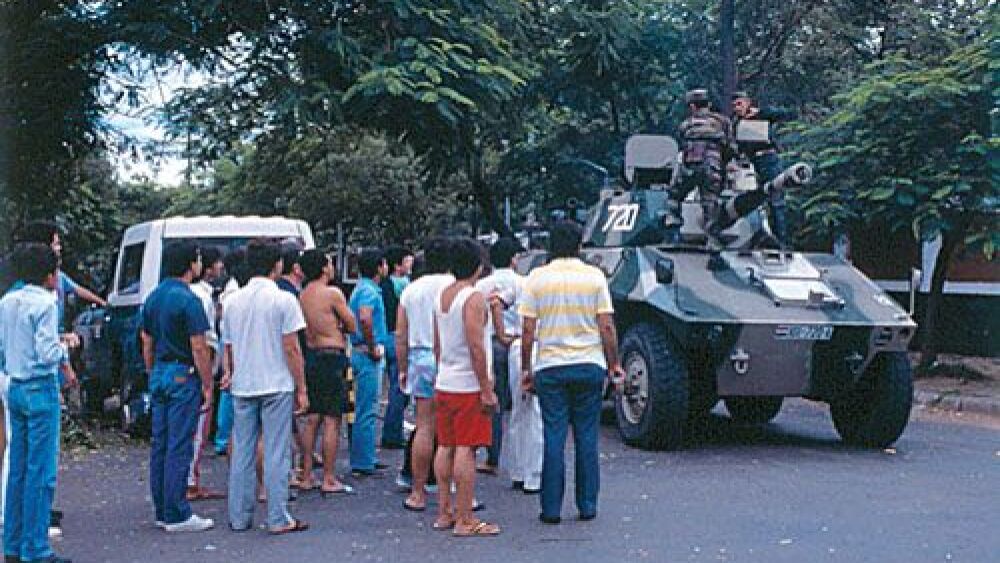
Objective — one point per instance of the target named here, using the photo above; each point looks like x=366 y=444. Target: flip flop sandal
x=295 y=526
x=204 y=494
x=481 y=529
x=412 y=508
x=443 y=525
x=344 y=490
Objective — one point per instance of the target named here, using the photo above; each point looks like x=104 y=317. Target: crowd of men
x=495 y=364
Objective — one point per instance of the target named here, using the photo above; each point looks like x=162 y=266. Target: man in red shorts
x=464 y=398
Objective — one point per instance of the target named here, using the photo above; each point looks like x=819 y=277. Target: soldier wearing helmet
x=705 y=141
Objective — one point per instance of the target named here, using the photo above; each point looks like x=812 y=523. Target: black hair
x=503 y=251
x=369 y=261
x=291 y=251
x=32 y=262
x=210 y=255
x=312 y=262
x=436 y=255
x=466 y=257
x=236 y=265
x=395 y=255
x=700 y=103
x=564 y=240
x=41 y=232
x=262 y=256
x=178 y=257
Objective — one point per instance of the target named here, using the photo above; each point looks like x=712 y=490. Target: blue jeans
x=273 y=414
x=502 y=389
x=224 y=421
x=570 y=395
x=392 y=425
x=367 y=388
x=175 y=393
x=34 y=453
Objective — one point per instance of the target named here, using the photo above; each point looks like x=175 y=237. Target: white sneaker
x=193 y=524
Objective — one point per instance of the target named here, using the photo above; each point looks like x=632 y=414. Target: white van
x=137 y=272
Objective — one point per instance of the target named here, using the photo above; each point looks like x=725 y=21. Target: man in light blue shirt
x=30 y=355
x=367 y=359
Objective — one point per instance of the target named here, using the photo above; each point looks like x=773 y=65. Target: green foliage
x=908 y=145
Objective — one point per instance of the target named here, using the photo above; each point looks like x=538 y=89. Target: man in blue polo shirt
x=178 y=359
x=367 y=359
x=30 y=356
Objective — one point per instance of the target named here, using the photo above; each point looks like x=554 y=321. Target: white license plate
x=804 y=332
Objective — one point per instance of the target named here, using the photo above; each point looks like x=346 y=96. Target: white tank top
x=455 y=373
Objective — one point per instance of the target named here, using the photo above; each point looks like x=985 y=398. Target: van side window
x=131 y=271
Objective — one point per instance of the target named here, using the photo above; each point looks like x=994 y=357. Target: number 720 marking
x=621 y=217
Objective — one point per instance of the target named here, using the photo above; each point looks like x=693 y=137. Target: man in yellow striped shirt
x=566 y=306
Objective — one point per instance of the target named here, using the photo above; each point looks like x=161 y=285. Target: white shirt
x=255 y=319
x=509 y=285
x=418 y=301
x=455 y=371
x=204 y=290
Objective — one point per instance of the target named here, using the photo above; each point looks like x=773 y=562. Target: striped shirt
x=566 y=296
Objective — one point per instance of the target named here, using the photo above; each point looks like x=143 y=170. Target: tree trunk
x=950 y=241
x=485 y=196
x=727 y=15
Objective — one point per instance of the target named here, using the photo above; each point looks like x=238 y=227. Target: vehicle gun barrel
x=797 y=174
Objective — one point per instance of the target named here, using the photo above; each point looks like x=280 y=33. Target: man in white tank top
x=464 y=397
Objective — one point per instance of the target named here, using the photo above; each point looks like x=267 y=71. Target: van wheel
x=753 y=410
x=653 y=407
x=876 y=412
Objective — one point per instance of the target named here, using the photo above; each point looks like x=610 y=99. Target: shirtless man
x=327 y=318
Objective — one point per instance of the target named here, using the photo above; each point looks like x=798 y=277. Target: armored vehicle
x=750 y=324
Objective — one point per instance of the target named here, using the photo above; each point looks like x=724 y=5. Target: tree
x=909 y=145
x=434 y=74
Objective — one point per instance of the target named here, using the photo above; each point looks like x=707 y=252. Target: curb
x=956 y=403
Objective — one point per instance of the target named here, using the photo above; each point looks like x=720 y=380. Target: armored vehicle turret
x=750 y=325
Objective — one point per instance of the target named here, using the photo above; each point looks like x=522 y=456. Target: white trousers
x=525 y=443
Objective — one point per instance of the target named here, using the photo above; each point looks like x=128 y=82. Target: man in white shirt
x=464 y=399
x=212 y=269
x=524 y=445
x=260 y=333
x=417 y=365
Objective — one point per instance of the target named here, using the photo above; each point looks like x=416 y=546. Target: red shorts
x=460 y=420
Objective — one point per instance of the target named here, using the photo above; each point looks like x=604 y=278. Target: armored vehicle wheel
x=875 y=413
x=753 y=410
x=652 y=408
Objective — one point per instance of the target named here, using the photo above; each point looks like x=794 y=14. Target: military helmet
x=698 y=95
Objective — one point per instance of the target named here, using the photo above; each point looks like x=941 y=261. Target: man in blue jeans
x=400 y=262
x=178 y=359
x=566 y=306
x=30 y=355
x=367 y=360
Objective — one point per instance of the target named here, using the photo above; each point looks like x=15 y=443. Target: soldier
x=764 y=157
x=705 y=138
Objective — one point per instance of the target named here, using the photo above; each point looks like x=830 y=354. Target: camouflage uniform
x=705 y=141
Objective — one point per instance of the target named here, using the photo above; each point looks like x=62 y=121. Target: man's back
x=323 y=325
x=29 y=338
x=565 y=297
x=172 y=314
x=256 y=317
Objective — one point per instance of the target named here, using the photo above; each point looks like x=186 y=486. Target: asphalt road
x=788 y=491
